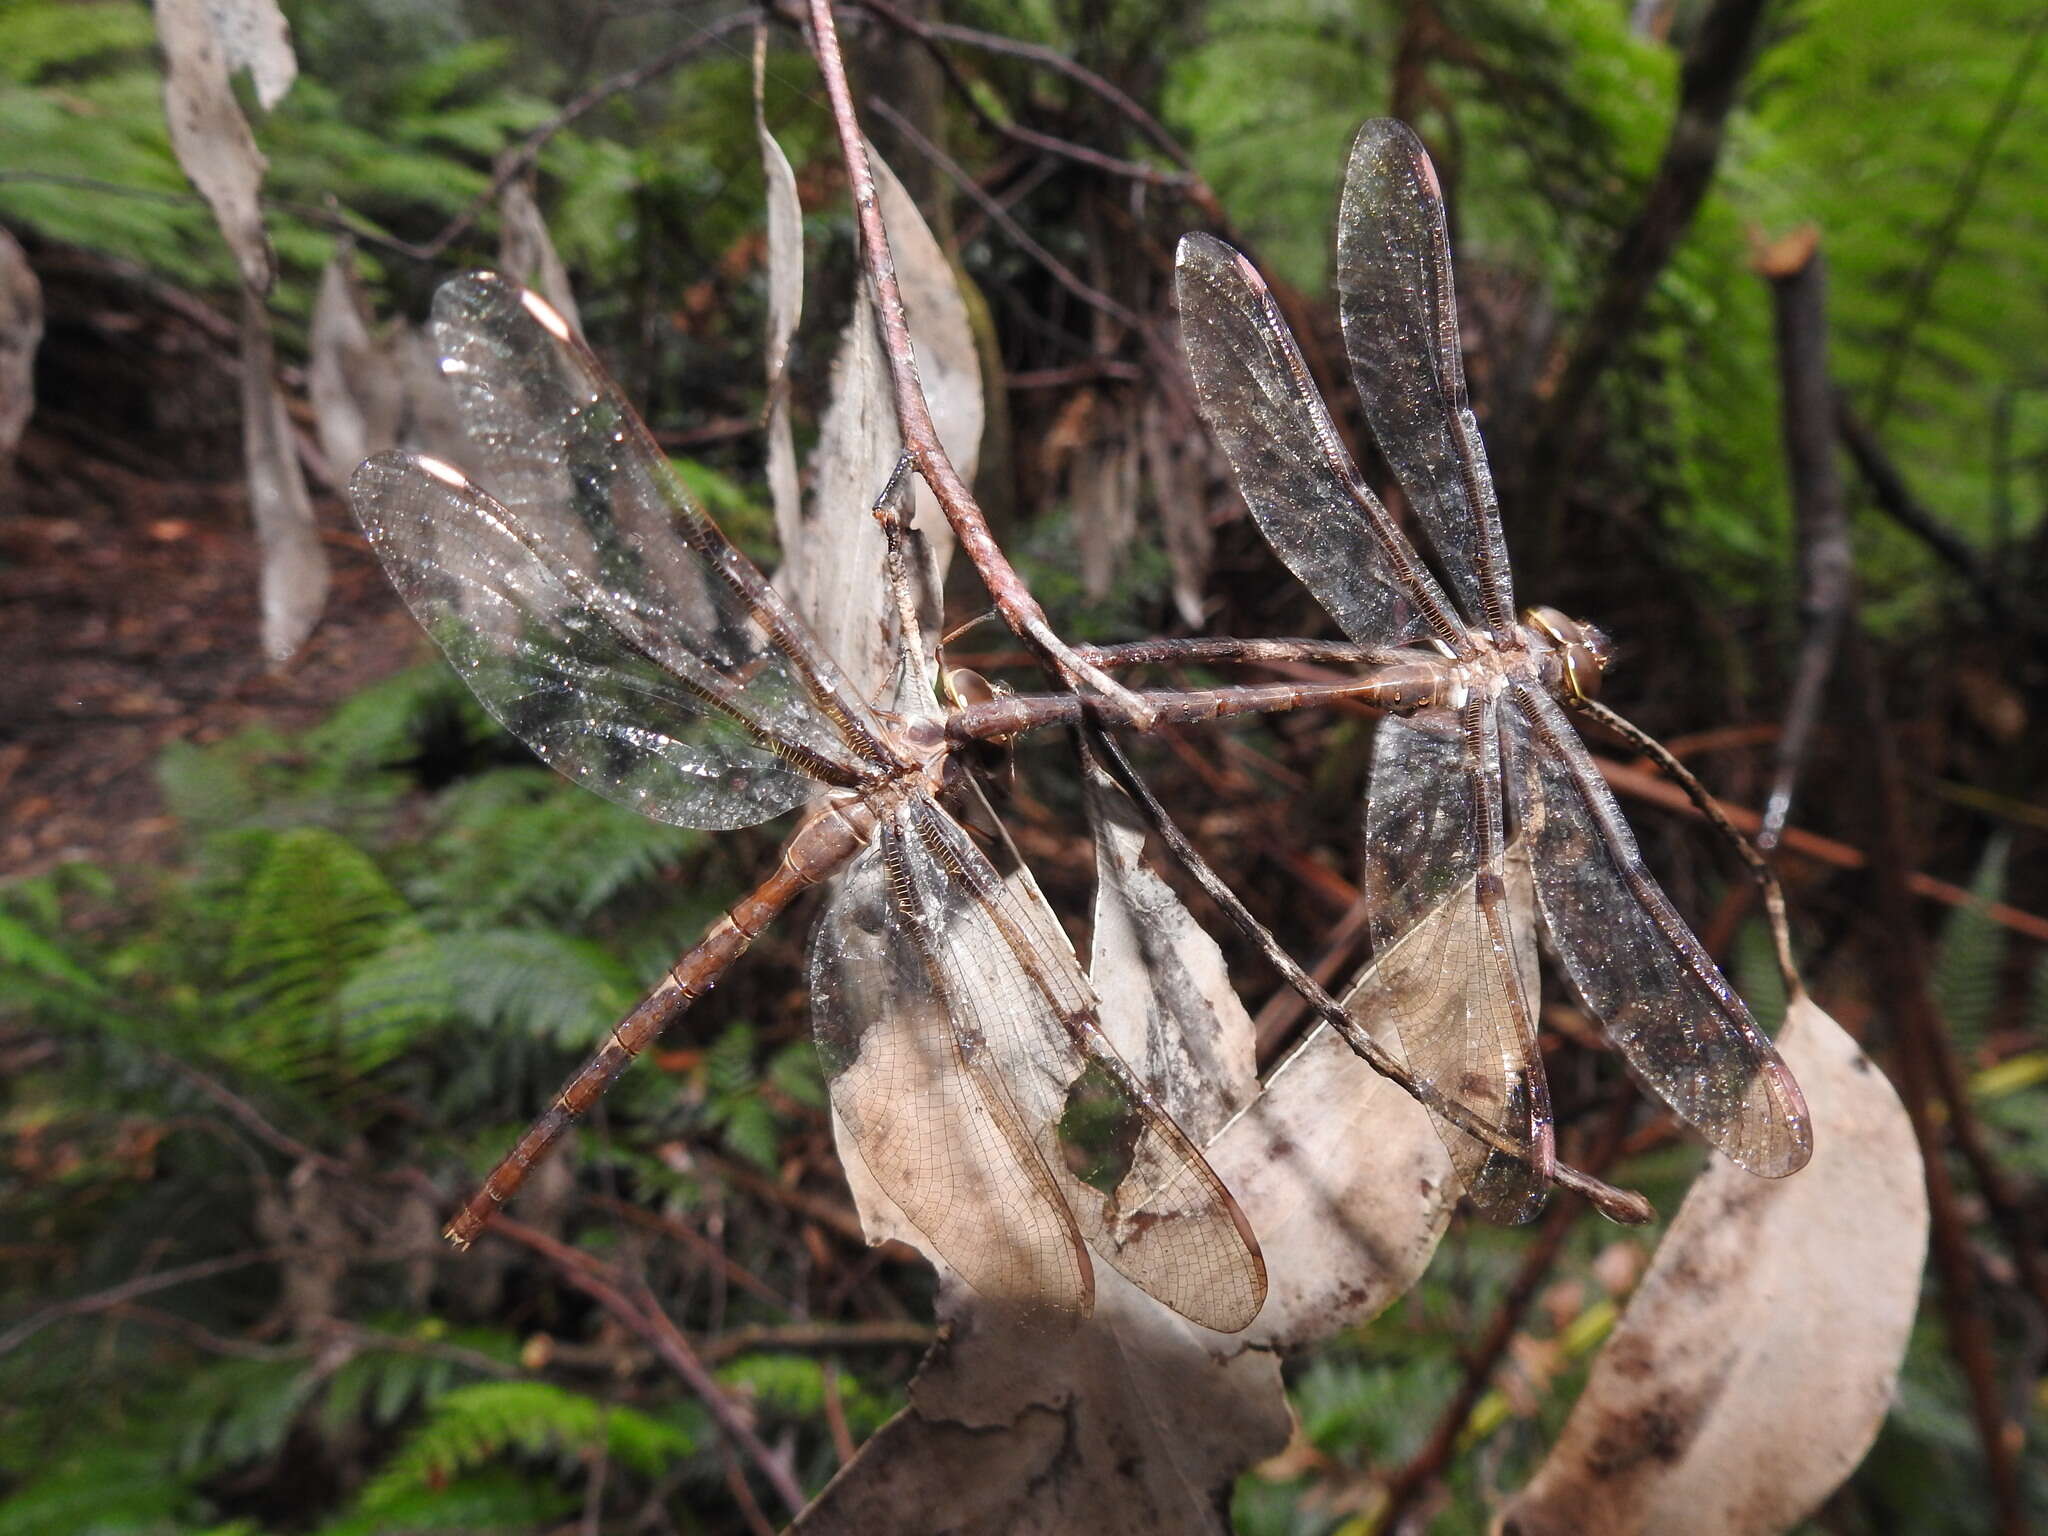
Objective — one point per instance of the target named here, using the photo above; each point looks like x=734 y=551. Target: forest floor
x=128 y=584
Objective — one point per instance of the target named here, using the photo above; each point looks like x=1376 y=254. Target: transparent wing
x=1291 y=467
x=1633 y=961
x=550 y=659
x=1448 y=976
x=1138 y=1190
x=1400 y=314
x=929 y=1116
x=582 y=481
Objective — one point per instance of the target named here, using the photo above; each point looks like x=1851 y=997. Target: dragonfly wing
x=931 y=1119
x=1636 y=965
x=582 y=480
x=545 y=653
x=1400 y=313
x=1139 y=1191
x=1292 y=468
x=1449 y=968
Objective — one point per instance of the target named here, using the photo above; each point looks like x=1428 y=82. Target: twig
x=1896 y=500
x=1000 y=216
x=514 y=163
x=1713 y=69
x=128 y=1290
x=697 y=1243
x=1941 y=244
x=1902 y=960
x=1427 y=1464
x=1620 y=1205
x=604 y=1285
x=1640 y=784
x=1798 y=279
x=930 y=34
x=818 y=1337
x=914 y=423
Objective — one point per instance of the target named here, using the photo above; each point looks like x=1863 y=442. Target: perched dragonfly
x=608 y=623
x=1479 y=754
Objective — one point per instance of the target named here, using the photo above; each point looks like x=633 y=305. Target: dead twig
x=645 y=1320
x=914 y=423
x=128 y=1290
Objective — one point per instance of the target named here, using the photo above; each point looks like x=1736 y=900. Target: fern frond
x=1969 y=957
x=478 y=1424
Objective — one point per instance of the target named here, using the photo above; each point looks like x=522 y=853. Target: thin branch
x=1620 y=1205
x=128 y=1290
x=1902 y=961
x=816 y=1338
x=930 y=34
x=1001 y=217
x=1427 y=1464
x=1827 y=567
x=1941 y=244
x=643 y=1318
x=515 y=162
x=1714 y=67
x=1896 y=500
x=914 y=423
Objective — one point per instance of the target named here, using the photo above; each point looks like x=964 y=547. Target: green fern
x=315 y=910
x=494 y=1499
x=1967 y=961
x=475 y=1425
x=113 y=1490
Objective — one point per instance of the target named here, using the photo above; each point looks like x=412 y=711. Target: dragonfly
x=1478 y=762
x=609 y=624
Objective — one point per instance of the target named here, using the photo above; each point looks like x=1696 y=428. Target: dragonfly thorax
x=1572 y=654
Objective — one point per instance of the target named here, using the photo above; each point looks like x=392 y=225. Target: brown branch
x=1640 y=784
x=1902 y=962
x=128 y=1290
x=642 y=1317
x=812 y=1338
x=1713 y=69
x=1798 y=279
x=914 y=423
x=515 y=162
x=1422 y=1469
x=932 y=33
x=1896 y=500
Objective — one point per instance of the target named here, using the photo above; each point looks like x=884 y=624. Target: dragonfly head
x=1578 y=652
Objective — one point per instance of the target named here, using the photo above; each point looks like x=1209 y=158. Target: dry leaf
x=294 y=573
x=785 y=307
x=21 y=332
x=352 y=378
x=203 y=41
x=1176 y=464
x=1759 y=1355
x=526 y=252
x=1135 y=1419
x=833 y=562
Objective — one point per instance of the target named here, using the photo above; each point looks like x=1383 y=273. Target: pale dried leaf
x=785 y=307
x=1176 y=463
x=1167 y=1003
x=526 y=252
x=352 y=377
x=1135 y=1419
x=257 y=39
x=1103 y=495
x=833 y=564
x=293 y=582
x=21 y=332
x=210 y=136
x=1759 y=1356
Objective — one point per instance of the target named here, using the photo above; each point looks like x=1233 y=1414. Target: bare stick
x=646 y=1320
x=128 y=1290
x=1013 y=714
x=914 y=423
x=1798 y=279
x=1624 y=1206
x=814 y=851
x=1204 y=650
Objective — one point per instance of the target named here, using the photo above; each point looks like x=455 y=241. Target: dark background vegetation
x=273 y=942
